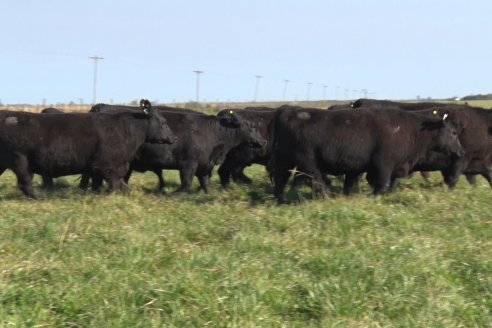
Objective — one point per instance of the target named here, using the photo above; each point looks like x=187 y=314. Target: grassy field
x=420 y=257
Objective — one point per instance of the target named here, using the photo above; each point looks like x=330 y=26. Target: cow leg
x=47 y=182
x=239 y=177
x=84 y=181
x=224 y=172
x=351 y=182
x=380 y=179
x=114 y=176
x=326 y=180
x=425 y=176
x=162 y=183
x=97 y=181
x=393 y=184
x=318 y=185
x=280 y=178
x=471 y=178
x=204 y=180
x=488 y=176
x=186 y=174
x=113 y=184
x=117 y=184
x=450 y=179
x=123 y=186
x=24 y=177
x=128 y=175
x=452 y=175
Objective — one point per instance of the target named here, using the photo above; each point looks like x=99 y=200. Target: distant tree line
x=478 y=97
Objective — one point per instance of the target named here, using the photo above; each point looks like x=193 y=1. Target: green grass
x=479 y=103
x=420 y=257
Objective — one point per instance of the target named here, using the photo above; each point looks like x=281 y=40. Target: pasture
x=419 y=257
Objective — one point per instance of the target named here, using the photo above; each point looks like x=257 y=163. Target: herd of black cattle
x=386 y=140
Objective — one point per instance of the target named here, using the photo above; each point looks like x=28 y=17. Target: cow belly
x=59 y=168
x=62 y=160
x=341 y=161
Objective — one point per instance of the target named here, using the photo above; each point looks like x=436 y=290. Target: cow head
x=145 y=105
x=246 y=130
x=447 y=139
x=158 y=130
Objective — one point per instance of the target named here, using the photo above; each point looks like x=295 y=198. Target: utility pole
x=324 y=92
x=197 y=72
x=94 y=85
x=336 y=92
x=285 y=89
x=309 y=84
x=257 y=84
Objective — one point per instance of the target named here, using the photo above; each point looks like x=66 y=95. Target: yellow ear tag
x=231 y=112
x=434 y=112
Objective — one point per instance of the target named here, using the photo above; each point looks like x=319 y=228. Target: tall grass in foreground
x=419 y=257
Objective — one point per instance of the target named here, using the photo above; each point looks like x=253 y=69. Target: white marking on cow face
x=11 y=120
x=395 y=130
x=303 y=115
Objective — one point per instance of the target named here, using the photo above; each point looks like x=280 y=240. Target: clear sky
x=396 y=49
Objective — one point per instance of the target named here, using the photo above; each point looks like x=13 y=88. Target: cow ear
x=146 y=106
x=445 y=118
x=229 y=118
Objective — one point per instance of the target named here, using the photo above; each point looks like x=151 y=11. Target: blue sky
x=394 y=49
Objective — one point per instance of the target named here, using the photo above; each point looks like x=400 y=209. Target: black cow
x=51 y=110
x=475 y=136
x=203 y=142
x=105 y=108
x=101 y=107
x=386 y=144
x=48 y=181
x=388 y=104
x=244 y=155
x=56 y=145
x=475 y=123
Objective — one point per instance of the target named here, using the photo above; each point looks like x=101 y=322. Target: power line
x=309 y=84
x=197 y=90
x=94 y=85
x=257 y=84
x=286 y=82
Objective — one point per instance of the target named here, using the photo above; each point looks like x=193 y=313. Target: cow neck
x=228 y=136
x=135 y=127
x=426 y=139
